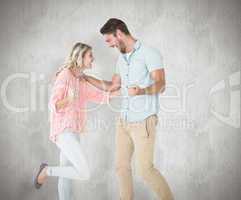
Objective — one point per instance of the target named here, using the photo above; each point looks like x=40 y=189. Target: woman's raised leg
x=70 y=148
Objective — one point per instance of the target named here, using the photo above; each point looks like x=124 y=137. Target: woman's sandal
x=41 y=167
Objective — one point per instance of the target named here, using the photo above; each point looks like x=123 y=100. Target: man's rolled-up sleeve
x=153 y=59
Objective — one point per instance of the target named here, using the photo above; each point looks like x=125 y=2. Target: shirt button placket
x=127 y=78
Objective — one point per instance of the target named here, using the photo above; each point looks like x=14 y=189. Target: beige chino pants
x=138 y=137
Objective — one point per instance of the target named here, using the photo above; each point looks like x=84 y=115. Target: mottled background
x=198 y=135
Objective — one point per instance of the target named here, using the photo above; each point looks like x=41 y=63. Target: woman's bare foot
x=42 y=176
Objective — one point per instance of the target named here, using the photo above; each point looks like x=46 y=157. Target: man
x=140 y=73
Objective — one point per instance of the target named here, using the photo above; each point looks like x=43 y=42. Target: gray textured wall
x=198 y=141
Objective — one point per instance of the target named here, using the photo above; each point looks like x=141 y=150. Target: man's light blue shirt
x=135 y=70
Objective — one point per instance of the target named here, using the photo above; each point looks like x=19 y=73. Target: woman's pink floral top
x=73 y=115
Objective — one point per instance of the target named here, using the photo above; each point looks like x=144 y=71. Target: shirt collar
x=137 y=44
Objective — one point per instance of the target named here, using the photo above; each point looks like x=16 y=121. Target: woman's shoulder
x=64 y=73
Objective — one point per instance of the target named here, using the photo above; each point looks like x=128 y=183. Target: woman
x=67 y=103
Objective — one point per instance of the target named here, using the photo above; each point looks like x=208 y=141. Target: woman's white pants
x=73 y=164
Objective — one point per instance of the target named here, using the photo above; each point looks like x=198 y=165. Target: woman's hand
x=70 y=98
x=62 y=103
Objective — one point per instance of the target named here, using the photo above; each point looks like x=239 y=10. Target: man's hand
x=115 y=93
x=115 y=83
x=136 y=90
x=158 y=86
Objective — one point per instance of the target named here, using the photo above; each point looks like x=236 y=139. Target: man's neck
x=130 y=43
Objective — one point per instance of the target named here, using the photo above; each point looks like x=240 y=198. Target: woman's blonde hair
x=79 y=49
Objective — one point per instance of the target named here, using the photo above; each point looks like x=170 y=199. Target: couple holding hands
x=139 y=78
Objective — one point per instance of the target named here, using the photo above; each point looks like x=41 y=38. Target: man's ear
x=118 y=34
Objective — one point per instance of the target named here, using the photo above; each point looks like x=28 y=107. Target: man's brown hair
x=112 y=25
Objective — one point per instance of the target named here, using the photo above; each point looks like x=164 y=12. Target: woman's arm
x=96 y=95
x=57 y=101
x=60 y=104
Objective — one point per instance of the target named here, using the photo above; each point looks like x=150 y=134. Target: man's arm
x=158 y=76
x=110 y=86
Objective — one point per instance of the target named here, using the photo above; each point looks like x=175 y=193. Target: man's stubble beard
x=122 y=47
